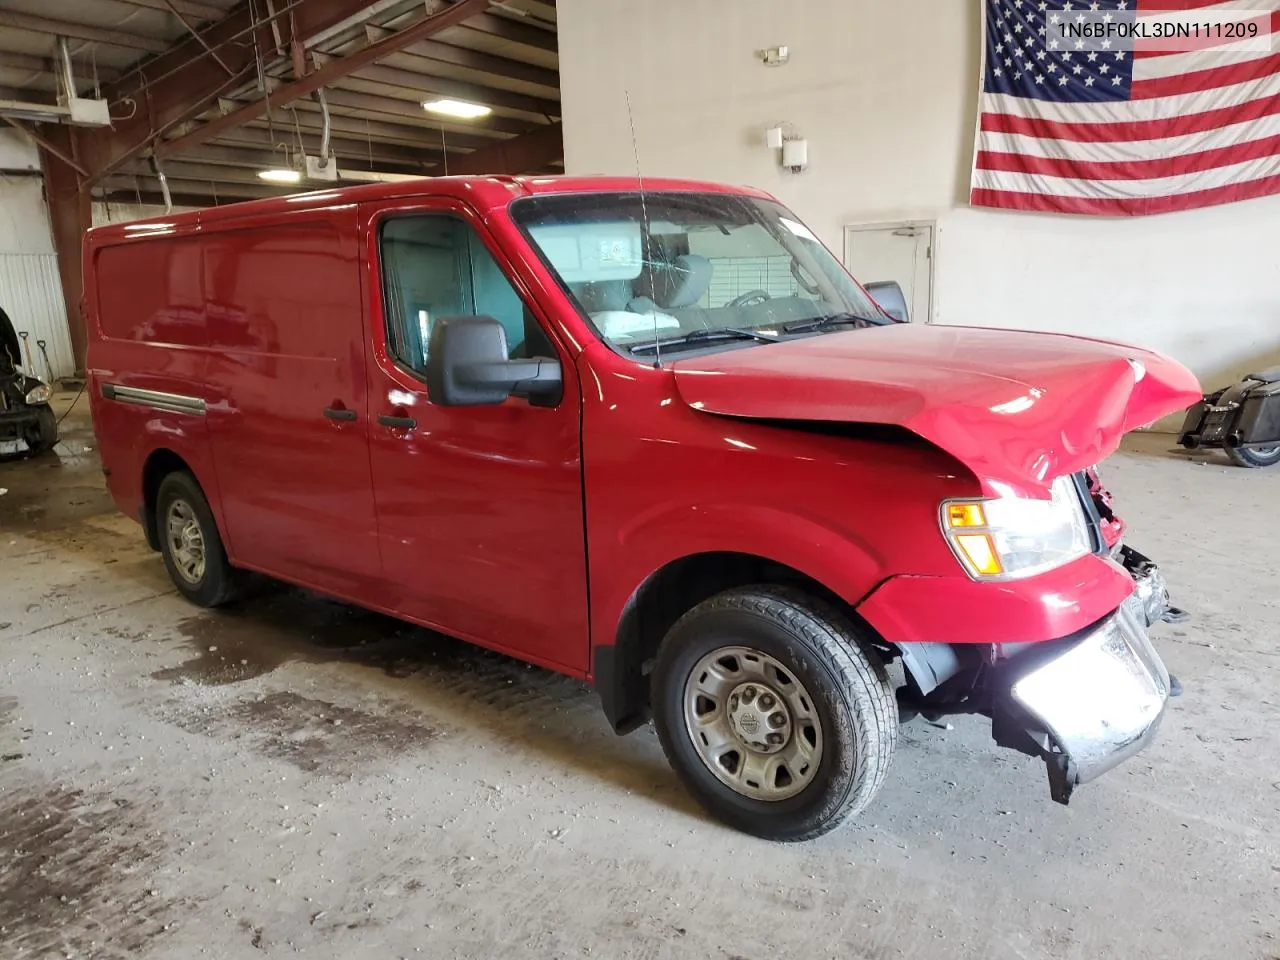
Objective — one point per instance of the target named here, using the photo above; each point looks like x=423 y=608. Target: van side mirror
x=467 y=366
x=889 y=297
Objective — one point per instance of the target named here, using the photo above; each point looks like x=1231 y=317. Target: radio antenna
x=644 y=234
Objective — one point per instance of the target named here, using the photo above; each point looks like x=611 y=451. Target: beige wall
x=885 y=92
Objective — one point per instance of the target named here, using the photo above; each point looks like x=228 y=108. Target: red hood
x=1015 y=407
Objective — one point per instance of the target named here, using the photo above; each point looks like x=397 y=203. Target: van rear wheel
x=775 y=712
x=190 y=544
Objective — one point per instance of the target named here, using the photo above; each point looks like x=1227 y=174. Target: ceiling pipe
x=355 y=20
x=164 y=184
x=324 y=134
x=68 y=77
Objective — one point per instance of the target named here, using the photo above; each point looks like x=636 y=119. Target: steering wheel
x=750 y=298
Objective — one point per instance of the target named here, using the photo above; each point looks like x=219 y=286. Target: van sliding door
x=290 y=429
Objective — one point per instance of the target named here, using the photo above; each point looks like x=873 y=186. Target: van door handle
x=400 y=423
x=339 y=413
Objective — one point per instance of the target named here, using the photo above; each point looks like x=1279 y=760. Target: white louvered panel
x=733 y=276
x=31 y=294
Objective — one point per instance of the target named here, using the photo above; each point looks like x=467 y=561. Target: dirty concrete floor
x=295 y=777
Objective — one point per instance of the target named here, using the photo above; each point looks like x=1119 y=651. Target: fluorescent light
x=457 y=108
x=280 y=176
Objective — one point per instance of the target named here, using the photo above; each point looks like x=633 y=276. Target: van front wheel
x=775 y=712
x=189 y=542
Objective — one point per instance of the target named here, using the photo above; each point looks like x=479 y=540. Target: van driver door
x=480 y=511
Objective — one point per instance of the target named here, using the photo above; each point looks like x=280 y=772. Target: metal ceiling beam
x=379 y=102
x=231 y=177
x=125 y=184
x=189 y=8
x=321 y=36
x=486 y=63
x=155 y=198
x=529 y=151
x=180 y=85
x=513 y=30
x=357 y=128
x=356 y=149
x=427 y=86
x=63 y=28
x=434 y=50
x=259 y=158
x=27 y=61
x=191 y=29
x=194 y=170
x=446 y=16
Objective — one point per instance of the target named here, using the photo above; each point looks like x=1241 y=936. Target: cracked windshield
x=680 y=271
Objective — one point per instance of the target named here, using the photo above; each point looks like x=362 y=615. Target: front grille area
x=1094 y=504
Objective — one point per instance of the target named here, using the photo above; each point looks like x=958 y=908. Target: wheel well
x=621 y=671
x=159 y=465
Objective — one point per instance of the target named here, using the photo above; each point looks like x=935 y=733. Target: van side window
x=435 y=266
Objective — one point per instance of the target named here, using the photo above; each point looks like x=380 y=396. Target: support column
x=70 y=216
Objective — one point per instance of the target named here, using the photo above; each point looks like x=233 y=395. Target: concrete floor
x=292 y=776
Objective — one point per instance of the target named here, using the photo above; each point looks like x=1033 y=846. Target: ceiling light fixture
x=280 y=176
x=457 y=108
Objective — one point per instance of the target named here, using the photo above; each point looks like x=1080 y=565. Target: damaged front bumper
x=1087 y=704
x=1083 y=705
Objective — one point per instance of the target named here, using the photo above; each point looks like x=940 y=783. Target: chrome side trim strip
x=169 y=402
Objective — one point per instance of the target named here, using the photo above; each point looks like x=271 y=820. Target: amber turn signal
x=980 y=550
x=966 y=515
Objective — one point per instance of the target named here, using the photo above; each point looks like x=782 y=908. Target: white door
x=895 y=251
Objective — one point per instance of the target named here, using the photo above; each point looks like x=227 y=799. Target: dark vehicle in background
x=25 y=414
x=1243 y=420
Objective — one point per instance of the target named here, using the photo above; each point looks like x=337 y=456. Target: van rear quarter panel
x=261 y=317
x=144 y=310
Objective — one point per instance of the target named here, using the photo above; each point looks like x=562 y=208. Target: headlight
x=1012 y=537
x=39 y=394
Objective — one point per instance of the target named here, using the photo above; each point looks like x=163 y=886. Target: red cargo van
x=653 y=437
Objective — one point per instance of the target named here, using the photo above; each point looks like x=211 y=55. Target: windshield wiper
x=830 y=320
x=702 y=336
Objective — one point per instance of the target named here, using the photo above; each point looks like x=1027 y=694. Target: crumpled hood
x=1017 y=408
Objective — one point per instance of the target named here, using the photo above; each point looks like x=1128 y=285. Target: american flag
x=1132 y=131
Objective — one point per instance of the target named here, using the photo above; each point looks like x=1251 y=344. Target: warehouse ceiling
x=283 y=64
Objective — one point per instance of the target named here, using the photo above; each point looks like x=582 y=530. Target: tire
x=46 y=435
x=814 y=664
x=181 y=506
x=1257 y=457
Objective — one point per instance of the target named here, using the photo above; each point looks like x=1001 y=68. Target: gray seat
x=1270 y=375
x=675 y=288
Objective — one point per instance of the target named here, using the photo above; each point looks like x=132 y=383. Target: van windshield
x=691 y=269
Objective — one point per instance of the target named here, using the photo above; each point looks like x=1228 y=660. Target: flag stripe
x=1265 y=23
x=1222 y=55
x=1158 y=7
x=1132 y=169
x=1127 y=206
x=1227 y=76
x=1133 y=151
x=1119 y=189
x=1175 y=126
